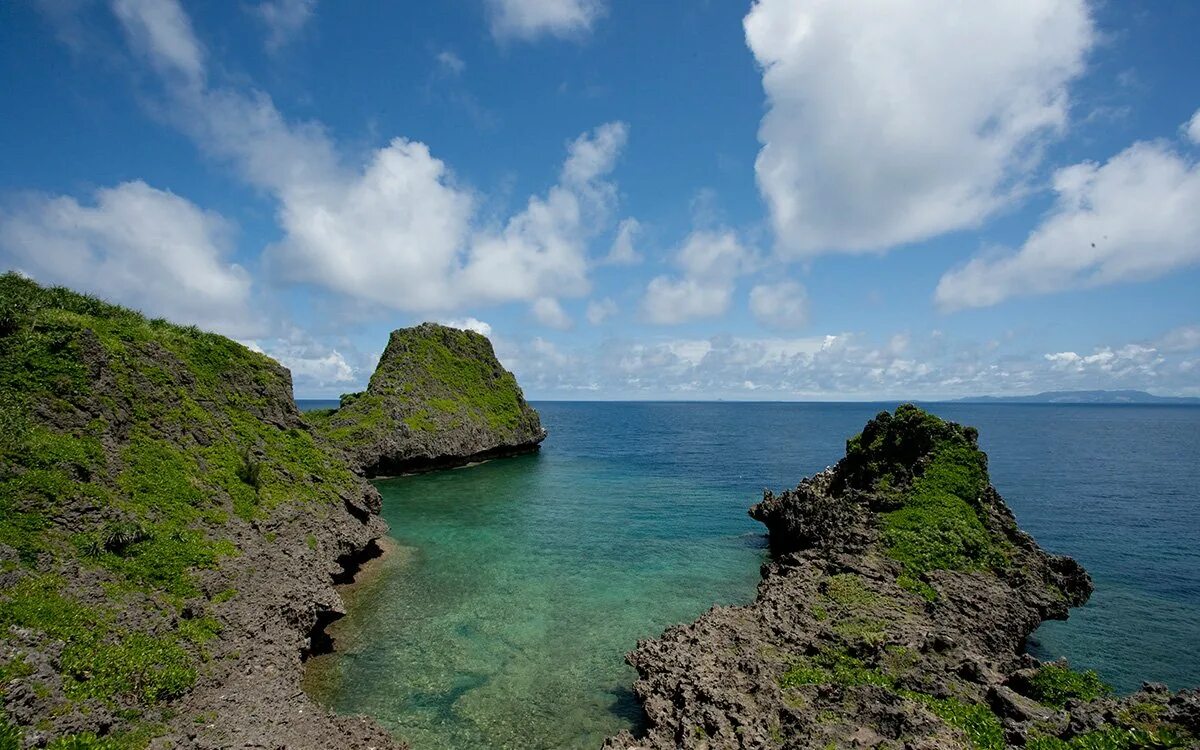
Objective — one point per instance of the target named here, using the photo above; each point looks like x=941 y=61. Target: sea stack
x=893 y=613
x=438 y=398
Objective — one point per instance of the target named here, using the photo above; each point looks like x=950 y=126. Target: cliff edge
x=170 y=534
x=438 y=398
x=893 y=614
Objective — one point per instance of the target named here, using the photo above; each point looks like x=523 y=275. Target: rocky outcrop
x=170 y=533
x=893 y=614
x=438 y=398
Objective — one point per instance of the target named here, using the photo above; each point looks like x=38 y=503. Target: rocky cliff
x=438 y=398
x=170 y=532
x=893 y=614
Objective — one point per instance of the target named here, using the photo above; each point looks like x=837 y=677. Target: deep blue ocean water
x=502 y=618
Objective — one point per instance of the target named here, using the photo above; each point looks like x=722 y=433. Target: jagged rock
x=893 y=614
x=438 y=398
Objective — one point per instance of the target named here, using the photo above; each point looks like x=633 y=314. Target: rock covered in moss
x=894 y=614
x=439 y=397
x=169 y=533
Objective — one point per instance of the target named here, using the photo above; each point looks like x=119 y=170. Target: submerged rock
x=438 y=398
x=893 y=614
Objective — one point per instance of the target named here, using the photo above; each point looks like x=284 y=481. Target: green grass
x=832 y=667
x=1116 y=738
x=975 y=720
x=1055 y=685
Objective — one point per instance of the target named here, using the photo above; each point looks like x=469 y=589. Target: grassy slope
x=126 y=445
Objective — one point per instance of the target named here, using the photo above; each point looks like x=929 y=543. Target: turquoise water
x=502 y=619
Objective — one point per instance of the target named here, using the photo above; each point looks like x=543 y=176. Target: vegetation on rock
x=137 y=457
x=439 y=396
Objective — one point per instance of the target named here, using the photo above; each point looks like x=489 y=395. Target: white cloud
x=548 y=312
x=601 y=310
x=450 y=62
x=1192 y=129
x=1182 y=339
x=847 y=366
x=710 y=262
x=1134 y=217
x=162 y=31
x=470 y=324
x=895 y=122
x=397 y=231
x=284 y=19
x=137 y=245
x=529 y=19
x=622 y=252
x=783 y=305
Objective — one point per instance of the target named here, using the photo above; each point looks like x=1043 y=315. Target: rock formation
x=438 y=398
x=893 y=614
x=170 y=532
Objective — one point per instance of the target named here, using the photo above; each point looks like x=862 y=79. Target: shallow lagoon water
x=502 y=619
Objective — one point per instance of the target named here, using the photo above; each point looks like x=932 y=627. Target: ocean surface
x=502 y=618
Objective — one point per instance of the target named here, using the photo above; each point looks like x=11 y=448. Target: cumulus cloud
x=549 y=312
x=601 y=310
x=1131 y=218
x=397 y=231
x=709 y=262
x=894 y=122
x=843 y=365
x=529 y=19
x=141 y=246
x=1192 y=129
x=470 y=324
x=284 y=19
x=783 y=305
x=622 y=252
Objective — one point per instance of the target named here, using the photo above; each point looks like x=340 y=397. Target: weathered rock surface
x=438 y=398
x=893 y=614
x=170 y=533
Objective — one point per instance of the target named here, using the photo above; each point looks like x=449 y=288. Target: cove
x=502 y=618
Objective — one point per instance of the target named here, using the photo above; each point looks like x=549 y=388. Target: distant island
x=1082 y=397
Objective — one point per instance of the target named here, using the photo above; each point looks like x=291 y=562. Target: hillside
x=170 y=531
x=439 y=397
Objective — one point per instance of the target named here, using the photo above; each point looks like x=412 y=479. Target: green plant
x=250 y=471
x=1055 y=685
x=975 y=720
x=832 y=667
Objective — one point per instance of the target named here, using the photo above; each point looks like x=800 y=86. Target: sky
x=680 y=199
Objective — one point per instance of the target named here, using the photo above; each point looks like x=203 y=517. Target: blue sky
x=784 y=199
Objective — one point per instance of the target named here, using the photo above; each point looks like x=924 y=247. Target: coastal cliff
x=893 y=614
x=171 y=530
x=438 y=398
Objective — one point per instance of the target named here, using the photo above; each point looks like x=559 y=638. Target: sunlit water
x=502 y=619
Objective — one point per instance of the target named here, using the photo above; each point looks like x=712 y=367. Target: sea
x=514 y=588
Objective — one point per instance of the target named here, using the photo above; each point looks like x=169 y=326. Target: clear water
x=502 y=619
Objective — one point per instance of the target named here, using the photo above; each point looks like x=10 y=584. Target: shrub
x=1056 y=684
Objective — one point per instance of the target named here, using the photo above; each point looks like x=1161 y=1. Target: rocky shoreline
x=173 y=531
x=893 y=614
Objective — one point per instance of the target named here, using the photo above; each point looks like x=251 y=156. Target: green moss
x=911 y=583
x=1055 y=685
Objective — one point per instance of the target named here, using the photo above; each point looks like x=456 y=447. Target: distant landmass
x=1083 y=397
